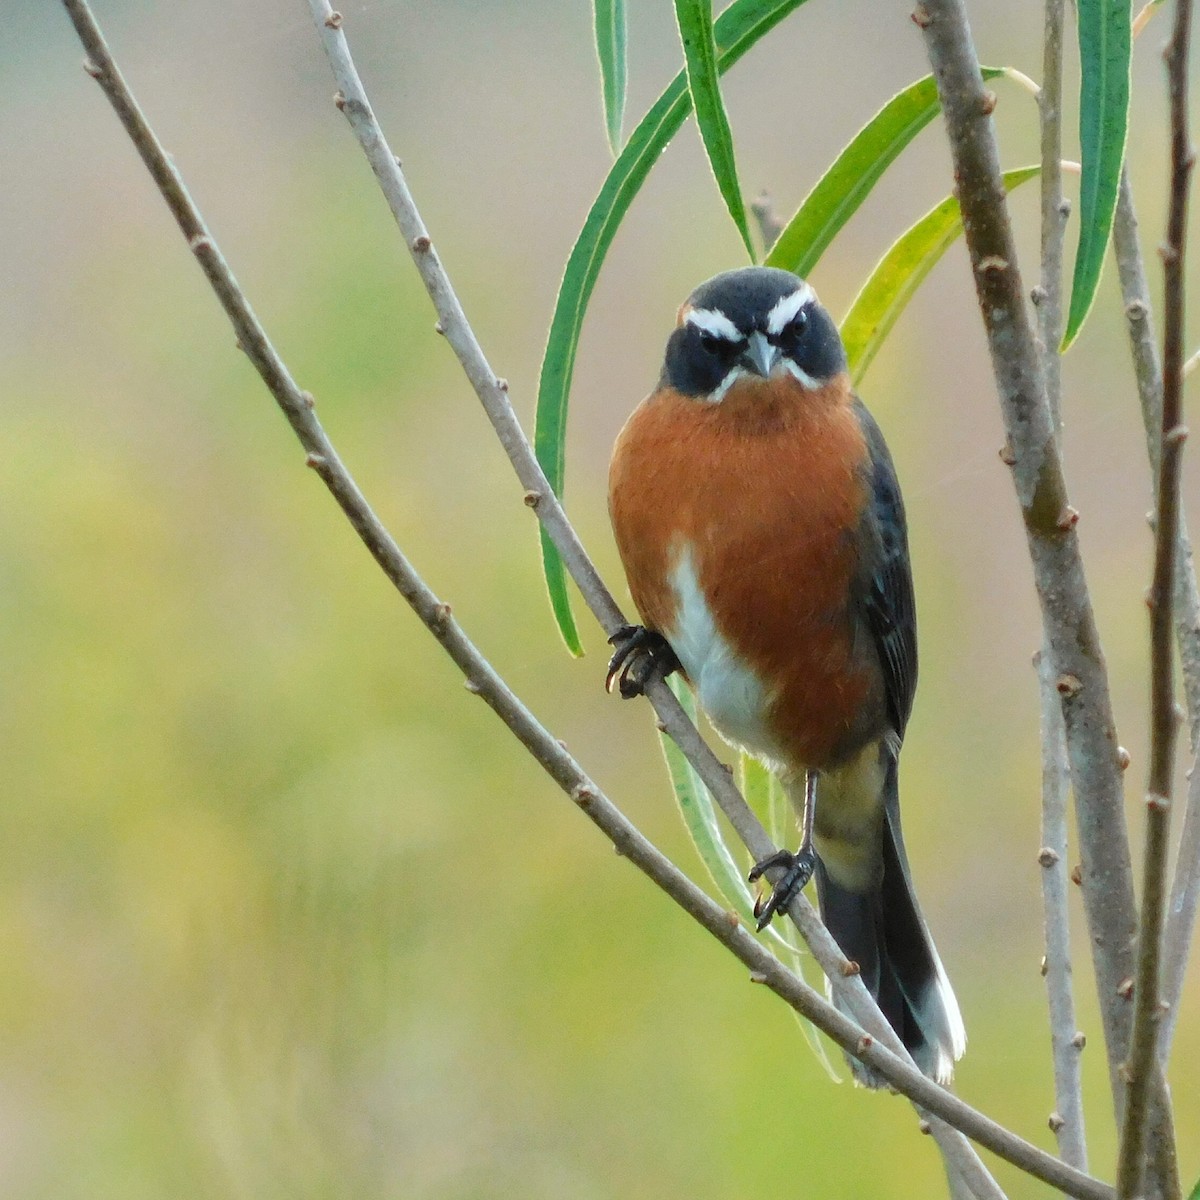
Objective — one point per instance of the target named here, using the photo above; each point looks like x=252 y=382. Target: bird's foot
x=799 y=870
x=640 y=656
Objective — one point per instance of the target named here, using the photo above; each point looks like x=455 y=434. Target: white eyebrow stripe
x=716 y=323
x=786 y=308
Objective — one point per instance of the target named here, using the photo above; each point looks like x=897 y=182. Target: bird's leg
x=640 y=655
x=799 y=866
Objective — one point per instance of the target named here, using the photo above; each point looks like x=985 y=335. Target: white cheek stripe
x=716 y=323
x=718 y=393
x=785 y=309
x=804 y=377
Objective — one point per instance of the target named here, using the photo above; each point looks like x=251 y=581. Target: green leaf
x=609 y=17
x=839 y=192
x=700 y=817
x=1105 y=45
x=737 y=29
x=694 y=18
x=898 y=275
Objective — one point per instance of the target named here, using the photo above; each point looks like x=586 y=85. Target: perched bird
x=759 y=519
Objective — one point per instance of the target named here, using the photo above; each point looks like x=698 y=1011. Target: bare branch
x=1143 y=1059
x=1067 y=618
x=1066 y=1042
x=482 y=679
x=1185 y=889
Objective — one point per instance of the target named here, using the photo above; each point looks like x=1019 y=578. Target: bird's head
x=752 y=324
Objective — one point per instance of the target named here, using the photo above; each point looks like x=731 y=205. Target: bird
x=758 y=517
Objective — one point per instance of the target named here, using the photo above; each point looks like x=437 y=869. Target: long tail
x=883 y=931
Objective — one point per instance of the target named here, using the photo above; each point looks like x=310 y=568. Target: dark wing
x=890 y=610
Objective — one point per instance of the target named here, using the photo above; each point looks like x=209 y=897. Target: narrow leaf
x=839 y=192
x=764 y=794
x=694 y=18
x=700 y=818
x=609 y=18
x=1195 y=1194
x=1105 y=45
x=737 y=29
x=898 y=275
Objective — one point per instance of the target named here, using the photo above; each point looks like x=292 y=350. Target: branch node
x=315 y=460
x=472 y=685
x=1079 y=1040
x=924 y=1126
x=92 y=69
x=1136 y=310
x=421 y=243
x=1008 y=456
x=920 y=17
x=757 y=977
x=1038 y=294
x=1123 y=759
x=988 y=105
x=308 y=400
x=441 y=616
x=865 y=1043
x=583 y=794
x=1077 y=875
x=1176 y=435
x=1055 y=1121
x=1048 y=856
x=502 y=384
x=851 y=968
x=1044 y=966
x=439 y=328
x=200 y=243
x=992 y=263
x=1125 y=988
x=339 y=101
x=1068 y=518
x=532 y=499
x=1156 y=803
x=334 y=20
x=1069 y=686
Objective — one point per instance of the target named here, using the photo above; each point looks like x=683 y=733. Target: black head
x=756 y=321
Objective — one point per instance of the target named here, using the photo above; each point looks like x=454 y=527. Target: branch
x=1143 y=1059
x=1185 y=890
x=1066 y=1042
x=482 y=679
x=1067 y=619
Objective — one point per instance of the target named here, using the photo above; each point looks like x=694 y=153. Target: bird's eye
x=716 y=345
x=793 y=332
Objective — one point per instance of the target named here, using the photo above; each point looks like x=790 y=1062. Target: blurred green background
x=283 y=910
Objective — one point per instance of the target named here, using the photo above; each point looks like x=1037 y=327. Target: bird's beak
x=760 y=356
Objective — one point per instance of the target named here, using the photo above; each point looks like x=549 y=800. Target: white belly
x=731 y=694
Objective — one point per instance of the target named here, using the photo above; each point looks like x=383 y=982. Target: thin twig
x=482 y=679
x=1185 y=888
x=1067 y=619
x=1143 y=1058
x=354 y=103
x=1066 y=1042
x=770 y=226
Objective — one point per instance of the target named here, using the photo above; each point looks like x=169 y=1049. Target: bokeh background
x=283 y=910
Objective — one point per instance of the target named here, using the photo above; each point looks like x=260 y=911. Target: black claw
x=640 y=655
x=799 y=870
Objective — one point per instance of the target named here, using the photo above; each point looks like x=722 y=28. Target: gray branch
x=1067 y=619
x=482 y=679
x=1185 y=889
x=1066 y=1042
